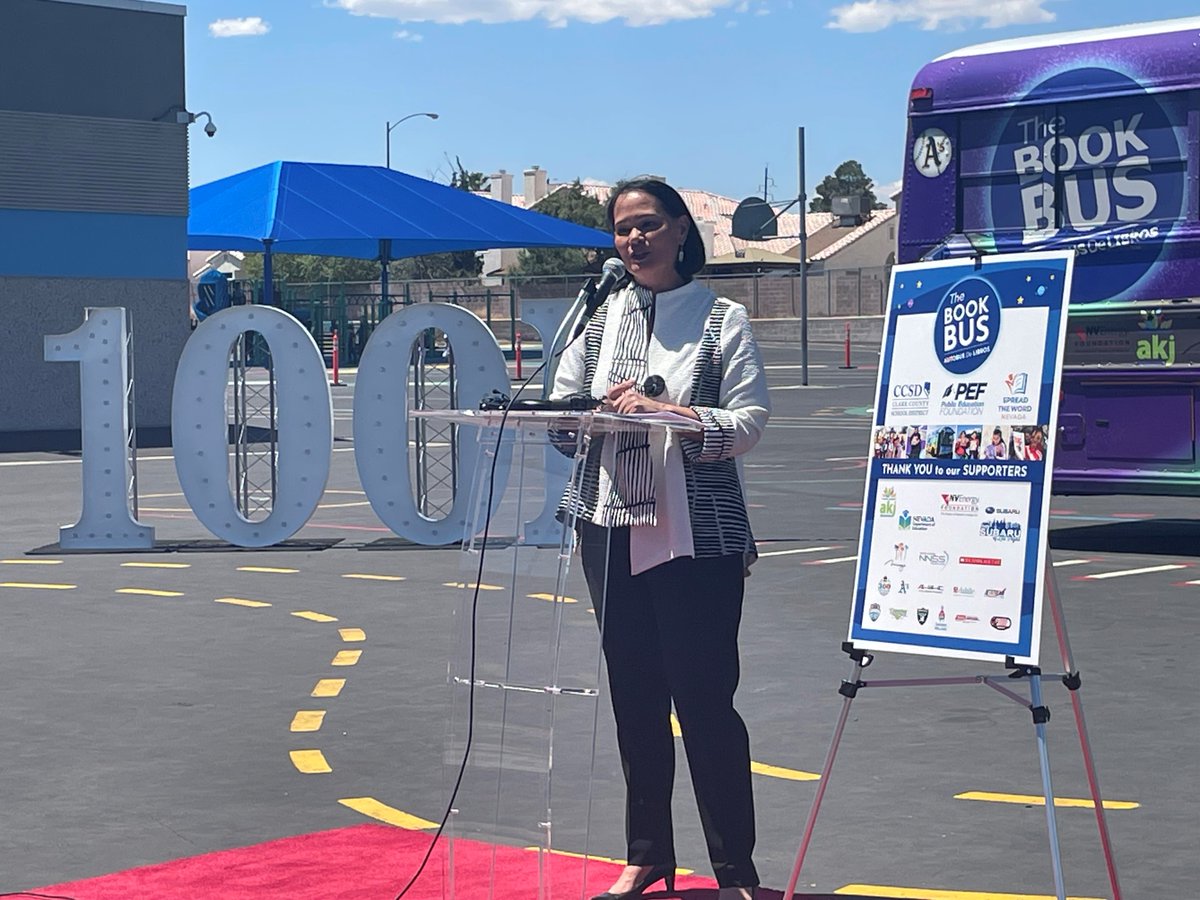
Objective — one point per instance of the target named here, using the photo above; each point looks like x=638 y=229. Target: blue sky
x=705 y=92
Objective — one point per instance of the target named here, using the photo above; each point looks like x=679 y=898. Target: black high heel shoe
x=665 y=874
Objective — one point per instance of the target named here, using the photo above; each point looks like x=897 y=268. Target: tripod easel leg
x=1040 y=716
x=848 y=690
x=1072 y=681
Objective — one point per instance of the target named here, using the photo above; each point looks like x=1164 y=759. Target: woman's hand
x=625 y=398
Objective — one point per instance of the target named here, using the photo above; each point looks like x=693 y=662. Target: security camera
x=210 y=129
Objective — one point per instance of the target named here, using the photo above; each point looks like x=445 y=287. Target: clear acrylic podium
x=528 y=697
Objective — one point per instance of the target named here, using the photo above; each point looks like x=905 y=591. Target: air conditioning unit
x=849 y=210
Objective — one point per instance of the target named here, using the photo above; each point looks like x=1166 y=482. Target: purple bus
x=1088 y=140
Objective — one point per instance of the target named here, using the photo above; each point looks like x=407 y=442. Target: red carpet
x=365 y=861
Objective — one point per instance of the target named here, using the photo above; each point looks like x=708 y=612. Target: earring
x=680 y=256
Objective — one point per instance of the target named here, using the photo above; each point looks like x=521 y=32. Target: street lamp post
x=391 y=125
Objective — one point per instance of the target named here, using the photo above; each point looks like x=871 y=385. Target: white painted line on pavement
x=793 y=552
x=826 y=562
x=1143 y=571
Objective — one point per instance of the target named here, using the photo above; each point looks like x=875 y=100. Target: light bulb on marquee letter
x=381 y=415
x=106 y=520
x=201 y=433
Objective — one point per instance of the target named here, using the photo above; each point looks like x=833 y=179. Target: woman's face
x=648 y=240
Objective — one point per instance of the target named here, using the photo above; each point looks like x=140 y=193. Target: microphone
x=594 y=294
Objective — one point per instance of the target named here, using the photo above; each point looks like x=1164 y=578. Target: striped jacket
x=705 y=351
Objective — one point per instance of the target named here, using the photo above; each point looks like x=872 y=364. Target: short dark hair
x=693 y=245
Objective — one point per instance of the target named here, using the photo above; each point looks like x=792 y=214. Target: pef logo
x=968 y=324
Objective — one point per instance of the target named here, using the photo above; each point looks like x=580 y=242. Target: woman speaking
x=664 y=534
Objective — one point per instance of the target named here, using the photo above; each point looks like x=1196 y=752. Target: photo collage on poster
x=971 y=441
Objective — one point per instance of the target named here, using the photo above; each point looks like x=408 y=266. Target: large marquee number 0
x=200 y=433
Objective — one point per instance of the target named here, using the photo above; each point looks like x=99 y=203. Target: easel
x=1041 y=714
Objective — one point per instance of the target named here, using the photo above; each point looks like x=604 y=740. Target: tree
x=847 y=180
x=575 y=205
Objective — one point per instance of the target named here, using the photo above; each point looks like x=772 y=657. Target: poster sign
x=953 y=539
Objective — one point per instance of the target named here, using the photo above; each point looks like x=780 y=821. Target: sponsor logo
x=964 y=399
x=1002 y=511
x=884 y=586
x=898 y=614
x=1015 y=402
x=1157 y=349
x=963 y=617
x=922 y=615
x=909 y=522
x=887 y=502
x=903 y=587
x=1001 y=530
x=965 y=390
x=940 y=625
x=968 y=323
x=978 y=561
x=911 y=398
x=1001 y=623
x=993 y=593
x=929 y=588
x=941 y=560
x=873 y=612
x=964 y=591
x=899 y=555
x=959 y=505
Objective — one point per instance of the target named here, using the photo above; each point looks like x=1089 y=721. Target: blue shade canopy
x=338 y=210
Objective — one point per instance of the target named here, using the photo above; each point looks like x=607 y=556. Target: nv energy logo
x=1105 y=175
x=968 y=323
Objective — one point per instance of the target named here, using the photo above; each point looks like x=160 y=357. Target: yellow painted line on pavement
x=1037 y=800
x=153 y=565
x=885 y=892
x=352 y=634
x=482 y=587
x=38 y=585
x=308 y=720
x=329 y=687
x=757 y=767
x=346 y=658
x=149 y=592
x=31 y=562
x=310 y=762
x=551 y=598
x=314 y=616
x=363 y=576
x=780 y=772
x=371 y=807
x=1145 y=570
x=238 y=601
x=270 y=570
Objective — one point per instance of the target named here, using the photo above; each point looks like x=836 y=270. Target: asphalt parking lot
x=150 y=702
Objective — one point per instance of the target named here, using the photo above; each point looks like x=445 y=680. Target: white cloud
x=244 y=27
x=876 y=15
x=403 y=35
x=554 y=12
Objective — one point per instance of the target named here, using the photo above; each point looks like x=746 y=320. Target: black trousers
x=671 y=634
